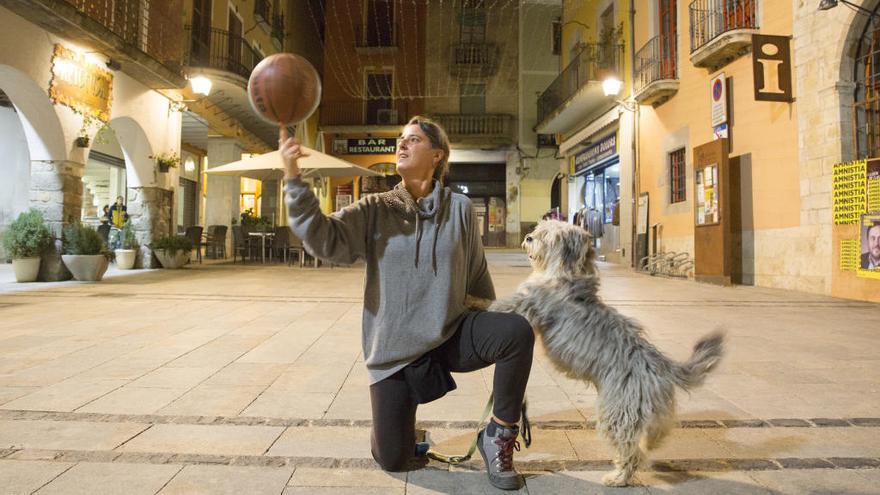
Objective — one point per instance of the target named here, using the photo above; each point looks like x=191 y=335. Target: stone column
x=150 y=212
x=56 y=191
x=223 y=193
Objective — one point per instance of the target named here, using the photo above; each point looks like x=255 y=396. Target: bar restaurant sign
x=371 y=146
x=80 y=84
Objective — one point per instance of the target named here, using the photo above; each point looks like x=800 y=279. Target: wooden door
x=200 y=36
x=668 y=38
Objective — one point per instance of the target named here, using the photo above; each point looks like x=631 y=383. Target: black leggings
x=482 y=338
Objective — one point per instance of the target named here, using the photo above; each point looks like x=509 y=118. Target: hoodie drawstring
x=418 y=237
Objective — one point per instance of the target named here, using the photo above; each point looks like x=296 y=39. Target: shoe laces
x=506 y=446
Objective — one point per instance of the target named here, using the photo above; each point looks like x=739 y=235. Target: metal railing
x=473 y=53
x=263 y=10
x=221 y=50
x=354 y=112
x=712 y=18
x=590 y=64
x=459 y=125
x=653 y=63
x=150 y=26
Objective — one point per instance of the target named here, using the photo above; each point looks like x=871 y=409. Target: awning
x=268 y=166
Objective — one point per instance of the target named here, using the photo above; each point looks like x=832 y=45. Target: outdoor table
x=262 y=235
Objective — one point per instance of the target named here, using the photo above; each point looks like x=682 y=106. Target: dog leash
x=525 y=430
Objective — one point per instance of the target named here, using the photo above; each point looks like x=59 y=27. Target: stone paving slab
x=73 y=435
x=25 y=477
x=231 y=480
x=117 y=478
x=205 y=439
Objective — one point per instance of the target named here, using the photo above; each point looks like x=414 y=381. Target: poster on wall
x=869 y=231
x=848 y=192
x=849 y=255
x=872 y=186
x=707 y=195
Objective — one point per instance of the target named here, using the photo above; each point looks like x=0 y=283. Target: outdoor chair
x=280 y=243
x=241 y=243
x=216 y=240
x=194 y=233
x=295 y=246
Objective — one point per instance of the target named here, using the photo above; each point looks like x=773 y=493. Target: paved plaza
x=234 y=379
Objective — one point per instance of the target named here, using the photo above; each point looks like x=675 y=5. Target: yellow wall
x=766 y=130
x=588 y=12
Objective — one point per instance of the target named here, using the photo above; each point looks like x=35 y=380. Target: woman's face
x=415 y=156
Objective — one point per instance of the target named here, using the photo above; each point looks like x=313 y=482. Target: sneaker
x=496 y=444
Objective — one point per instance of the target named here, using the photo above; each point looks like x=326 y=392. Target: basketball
x=284 y=89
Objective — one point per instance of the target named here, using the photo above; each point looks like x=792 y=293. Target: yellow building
x=591 y=124
x=738 y=136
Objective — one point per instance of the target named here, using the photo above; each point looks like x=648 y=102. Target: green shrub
x=28 y=236
x=82 y=239
x=172 y=243
x=127 y=235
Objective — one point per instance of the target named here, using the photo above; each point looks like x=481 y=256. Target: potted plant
x=172 y=251
x=126 y=252
x=166 y=161
x=25 y=239
x=84 y=252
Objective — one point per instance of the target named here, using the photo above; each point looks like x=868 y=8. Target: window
x=380 y=105
x=473 y=98
x=867 y=76
x=473 y=25
x=677 y=172
x=379 y=23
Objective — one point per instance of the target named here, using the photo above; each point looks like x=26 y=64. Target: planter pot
x=163 y=168
x=172 y=260
x=81 y=142
x=125 y=258
x=26 y=269
x=86 y=268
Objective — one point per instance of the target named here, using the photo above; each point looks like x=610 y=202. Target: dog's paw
x=477 y=303
x=615 y=478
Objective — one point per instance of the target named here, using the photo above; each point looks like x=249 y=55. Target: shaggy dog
x=591 y=341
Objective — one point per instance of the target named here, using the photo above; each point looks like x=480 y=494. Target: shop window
x=611 y=183
x=677 y=173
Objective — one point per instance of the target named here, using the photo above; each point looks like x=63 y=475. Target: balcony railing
x=263 y=10
x=150 y=26
x=462 y=126
x=474 y=59
x=652 y=64
x=592 y=63
x=712 y=18
x=356 y=113
x=221 y=50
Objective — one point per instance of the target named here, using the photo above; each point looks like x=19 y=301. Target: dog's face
x=558 y=248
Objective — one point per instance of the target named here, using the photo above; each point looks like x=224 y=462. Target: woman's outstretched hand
x=290 y=152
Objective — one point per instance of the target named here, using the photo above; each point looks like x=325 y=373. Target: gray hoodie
x=422 y=259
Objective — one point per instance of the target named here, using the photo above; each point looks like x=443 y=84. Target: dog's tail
x=707 y=353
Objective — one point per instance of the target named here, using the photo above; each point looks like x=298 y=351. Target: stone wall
x=56 y=192
x=150 y=211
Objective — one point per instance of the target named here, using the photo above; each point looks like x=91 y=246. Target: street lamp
x=830 y=4
x=201 y=85
x=611 y=86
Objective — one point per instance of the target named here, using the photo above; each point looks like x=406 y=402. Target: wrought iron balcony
x=263 y=11
x=144 y=36
x=474 y=59
x=221 y=50
x=481 y=129
x=721 y=31
x=278 y=30
x=581 y=81
x=656 y=71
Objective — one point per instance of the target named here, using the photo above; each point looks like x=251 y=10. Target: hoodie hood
x=402 y=202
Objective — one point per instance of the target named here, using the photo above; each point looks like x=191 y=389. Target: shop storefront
x=594 y=193
x=483 y=183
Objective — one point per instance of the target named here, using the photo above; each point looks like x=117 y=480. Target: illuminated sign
x=80 y=84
